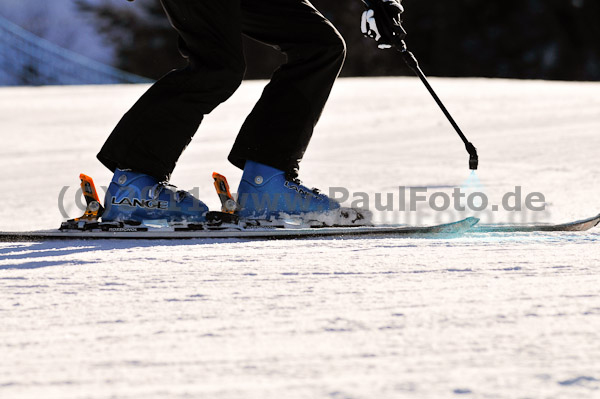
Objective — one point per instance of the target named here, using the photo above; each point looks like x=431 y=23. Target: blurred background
x=114 y=41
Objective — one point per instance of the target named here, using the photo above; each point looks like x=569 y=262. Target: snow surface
x=483 y=316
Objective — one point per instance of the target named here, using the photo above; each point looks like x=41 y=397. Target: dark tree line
x=546 y=39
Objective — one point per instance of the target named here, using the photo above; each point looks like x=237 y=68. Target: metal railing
x=26 y=59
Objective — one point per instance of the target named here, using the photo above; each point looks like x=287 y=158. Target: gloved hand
x=381 y=21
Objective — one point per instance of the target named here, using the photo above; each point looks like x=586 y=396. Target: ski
x=119 y=232
x=580 y=225
x=226 y=224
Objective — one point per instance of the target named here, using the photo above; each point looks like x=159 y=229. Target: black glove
x=381 y=21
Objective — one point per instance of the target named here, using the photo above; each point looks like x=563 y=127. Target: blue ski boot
x=266 y=193
x=139 y=197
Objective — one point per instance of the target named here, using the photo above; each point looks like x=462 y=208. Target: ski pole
x=413 y=64
x=395 y=33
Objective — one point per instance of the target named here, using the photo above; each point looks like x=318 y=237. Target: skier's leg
x=279 y=128
x=275 y=135
x=153 y=134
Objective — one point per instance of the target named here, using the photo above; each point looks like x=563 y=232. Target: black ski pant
x=154 y=132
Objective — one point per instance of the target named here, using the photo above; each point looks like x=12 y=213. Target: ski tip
x=576 y=226
x=472 y=220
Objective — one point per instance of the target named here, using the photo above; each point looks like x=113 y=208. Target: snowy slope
x=500 y=316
